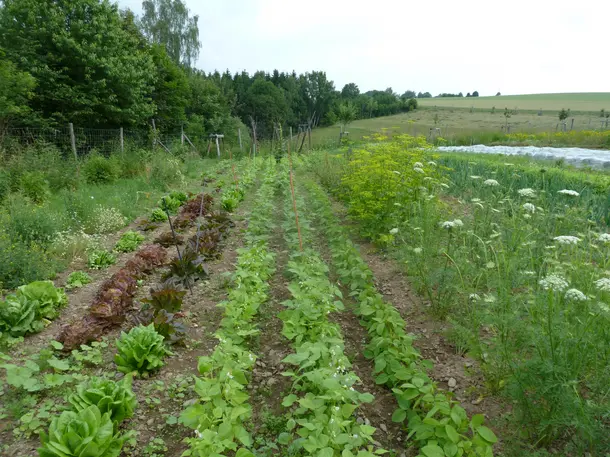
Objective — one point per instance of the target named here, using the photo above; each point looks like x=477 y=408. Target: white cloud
x=518 y=46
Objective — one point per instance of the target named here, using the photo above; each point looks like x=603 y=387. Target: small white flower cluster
x=603 y=284
x=554 y=283
x=418 y=250
x=474 y=297
x=567 y=239
x=604 y=238
x=418 y=165
x=452 y=224
x=527 y=192
x=491 y=183
x=394 y=231
x=108 y=220
x=432 y=163
x=529 y=208
x=475 y=177
x=571 y=193
x=419 y=170
x=575 y=295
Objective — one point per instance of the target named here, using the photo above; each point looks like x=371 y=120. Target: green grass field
x=577 y=102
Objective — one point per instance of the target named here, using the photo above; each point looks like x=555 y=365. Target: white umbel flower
x=452 y=224
x=394 y=231
x=571 y=193
x=474 y=297
x=575 y=295
x=604 y=238
x=419 y=170
x=432 y=163
x=554 y=283
x=603 y=284
x=491 y=183
x=418 y=165
x=567 y=239
x=529 y=208
x=527 y=192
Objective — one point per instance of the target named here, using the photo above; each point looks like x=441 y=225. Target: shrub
x=141 y=350
x=35 y=187
x=129 y=241
x=5 y=185
x=114 y=398
x=100 y=259
x=166 y=170
x=21 y=262
x=99 y=170
x=83 y=433
x=32 y=224
x=180 y=196
x=77 y=279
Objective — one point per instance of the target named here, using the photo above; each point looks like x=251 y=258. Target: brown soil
x=268 y=386
x=166 y=392
x=452 y=372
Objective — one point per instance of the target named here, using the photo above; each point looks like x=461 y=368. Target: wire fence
x=81 y=141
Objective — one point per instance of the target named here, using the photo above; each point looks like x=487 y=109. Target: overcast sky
x=512 y=46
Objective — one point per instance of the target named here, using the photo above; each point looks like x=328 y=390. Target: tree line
x=92 y=64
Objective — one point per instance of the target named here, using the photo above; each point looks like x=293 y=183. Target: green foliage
x=35 y=187
x=100 y=170
x=170 y=204
x=180 y=196
x=77 y=279
x=169 y=24
x=26 y=311
x=129 y=241
x=158 y=215
x=86 y=433
x=100 y=259
x=346 y=113
x=563 y=114
x=94 y=72
x=382 y=175
x=141 y=350
x=231 y=199
x=15 y=89
x=115 y=398
x=268 y=104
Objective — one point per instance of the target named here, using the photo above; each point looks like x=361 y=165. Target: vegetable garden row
x=522 y=292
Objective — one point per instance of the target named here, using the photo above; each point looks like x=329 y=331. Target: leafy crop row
x=437 y=423
x=222 y=409
x=324 y=399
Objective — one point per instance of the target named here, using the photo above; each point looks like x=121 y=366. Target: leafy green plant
x=129 y=241
x=180 y=196
x=18 y=316
x=170 y=204
x=26 y=310
x=86 y=433
x=78 y=279
x=99 y=170
x=100 y=259
x=141 y=350
x=187 y=269
x=232 y=198
x=165 y=298
x=35 y=187
x=115 y=398
x=158 y=215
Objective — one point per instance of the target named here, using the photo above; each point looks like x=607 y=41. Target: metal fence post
x=73 y=140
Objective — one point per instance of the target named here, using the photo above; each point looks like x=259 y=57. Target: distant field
x=581 y=102
x=455 y=123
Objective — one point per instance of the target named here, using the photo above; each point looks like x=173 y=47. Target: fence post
x=73 y=139
x=122 y=140
x=217 y=147
x=241 y=148
x=182 y=134
x=154 y=141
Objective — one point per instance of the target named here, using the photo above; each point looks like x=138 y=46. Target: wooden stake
x=217 y=147
x=241 y=148
x=122 y=140
x=73 y=139
x=294 y=202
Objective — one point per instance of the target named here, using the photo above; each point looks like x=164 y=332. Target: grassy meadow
x=577 y=102
x=461 y=124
